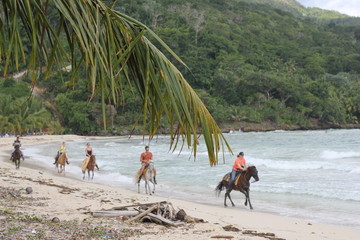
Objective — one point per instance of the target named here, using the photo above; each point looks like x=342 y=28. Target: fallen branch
x=220 y=236
x=143 y=213
x=164 y=220
x=13 y=195
x=151 y=219
x=114 y=213
x=137 y=205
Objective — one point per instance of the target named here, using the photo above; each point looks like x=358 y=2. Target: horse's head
x=253 y=172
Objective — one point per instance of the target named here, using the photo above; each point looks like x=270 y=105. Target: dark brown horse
x=242 y=184
x=16 y=157
x=90 y=166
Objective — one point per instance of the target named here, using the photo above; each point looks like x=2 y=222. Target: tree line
x=247 y=62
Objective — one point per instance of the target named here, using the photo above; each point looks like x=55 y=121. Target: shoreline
x=268 y=126
x=95 y=196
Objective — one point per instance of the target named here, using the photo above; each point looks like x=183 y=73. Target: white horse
x=147 y=176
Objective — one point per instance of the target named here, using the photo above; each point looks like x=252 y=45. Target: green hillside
x=300 y=11
x=251 y=61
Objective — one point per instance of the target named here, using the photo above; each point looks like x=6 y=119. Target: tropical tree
x=115 y=50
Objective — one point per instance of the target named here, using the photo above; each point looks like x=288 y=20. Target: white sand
x=68 y=205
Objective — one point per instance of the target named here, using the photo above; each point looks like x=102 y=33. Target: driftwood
x=13 y=195
x=114 y=213
x=143 y=213
x=159 y=212
x=164 y=220
x=221 y=236
x=151 y=219
x=137 y=205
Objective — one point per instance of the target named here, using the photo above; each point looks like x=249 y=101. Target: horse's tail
x=219 y=188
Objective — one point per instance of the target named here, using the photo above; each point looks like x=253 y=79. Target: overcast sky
x=349 y=7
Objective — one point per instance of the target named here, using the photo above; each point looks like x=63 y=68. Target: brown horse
x=90 y=165
x=16 y=157
x=60 y=163
x=147 y=176
x=242 y=184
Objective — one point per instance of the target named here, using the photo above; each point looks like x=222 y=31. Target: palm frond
x=115 y=51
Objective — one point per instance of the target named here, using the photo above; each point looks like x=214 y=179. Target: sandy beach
x=72 y=200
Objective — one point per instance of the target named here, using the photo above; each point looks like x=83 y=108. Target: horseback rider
x=238 y=167
x=89 y=152
x=17 y=145
x=61 y=151
x=146 y=158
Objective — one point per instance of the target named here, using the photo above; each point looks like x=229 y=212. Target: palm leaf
x=115 y=52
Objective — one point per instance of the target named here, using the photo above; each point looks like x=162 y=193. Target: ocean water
x=308 y=175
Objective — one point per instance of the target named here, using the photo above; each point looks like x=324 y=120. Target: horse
x=90 y=165
x=241 y=184
x=16 y=157
x=147 y=176
x=60 y=163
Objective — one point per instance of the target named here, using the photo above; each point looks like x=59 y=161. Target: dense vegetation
x=20 y=114
x=248 y=62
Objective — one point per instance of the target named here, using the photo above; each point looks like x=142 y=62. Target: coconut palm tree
x=115 y=50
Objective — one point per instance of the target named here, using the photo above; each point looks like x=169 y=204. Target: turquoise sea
x=308 y=175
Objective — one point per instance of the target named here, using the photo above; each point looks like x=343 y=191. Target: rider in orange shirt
x=238 y=167
x=146 y=159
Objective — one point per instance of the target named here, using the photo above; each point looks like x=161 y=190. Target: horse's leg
x=145 y=186
x=138 y=186
x=248 y=198
x=154 y=188
x=92 y=176
x=232 y=203
x=226 y=192
x=149 y=187
x=227 y=195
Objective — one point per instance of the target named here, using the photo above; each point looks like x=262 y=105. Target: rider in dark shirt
x=89 y=152
x=17 y=145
